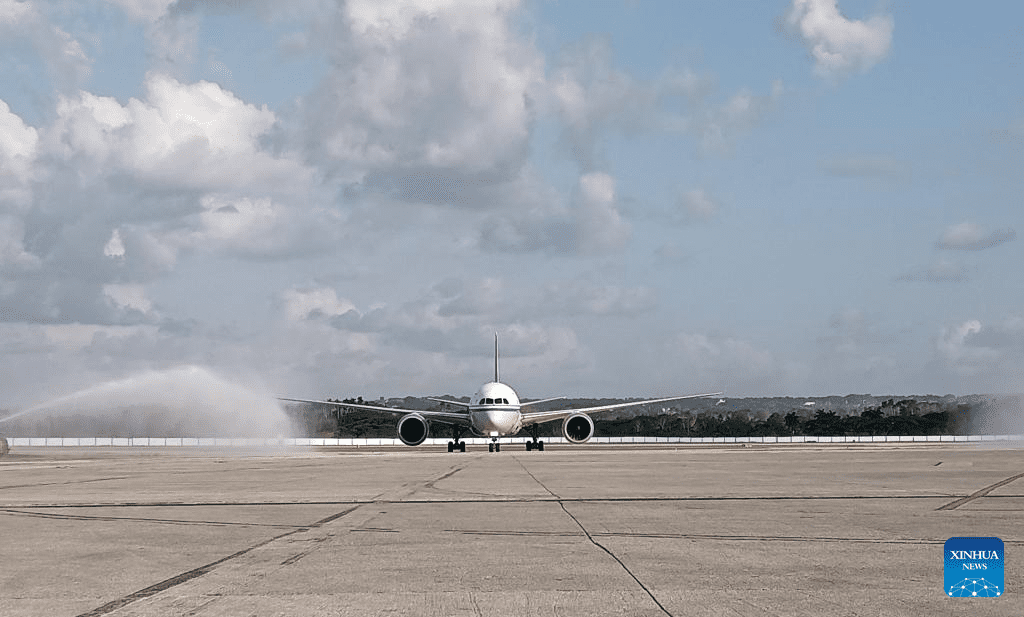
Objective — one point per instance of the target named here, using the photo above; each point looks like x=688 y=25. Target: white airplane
x=495 y=411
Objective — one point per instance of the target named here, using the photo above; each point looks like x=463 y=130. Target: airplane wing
x=543 y=400
x=446 y=417
x=449 y=401
x=557 y=414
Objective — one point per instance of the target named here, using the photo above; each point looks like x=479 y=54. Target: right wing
x=446 y=417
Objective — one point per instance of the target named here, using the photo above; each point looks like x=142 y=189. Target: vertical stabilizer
x=495 y=356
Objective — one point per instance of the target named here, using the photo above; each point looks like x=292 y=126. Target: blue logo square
x=973 y=567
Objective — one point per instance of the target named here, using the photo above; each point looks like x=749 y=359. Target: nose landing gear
x=494 y=446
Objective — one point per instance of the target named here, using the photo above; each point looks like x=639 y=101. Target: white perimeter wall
x=21 y=442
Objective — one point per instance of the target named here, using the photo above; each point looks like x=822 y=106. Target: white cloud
x=723 y=361
x=239 y=222
x=145 y=10
x=600 y=227
x=187 y=136
x=594 y=98
x=969 y=236
x=838 y=44
x=592 y=225
x=957 y=346
x=853 y=350
x=13 y=12
x=13 y=256
x=131 y=297
x=697 y=206
x=941 y=271
x=63 y=55
x=303 y=304
x=18 y=150
x=719 y=125
x=129 y=187
x=424 y=85
x=115 y=246
x=576 y=297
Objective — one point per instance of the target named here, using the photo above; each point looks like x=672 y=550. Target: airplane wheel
x=451 y=447
x=540 y=446
x=490 y=447
x=462 y=446
x=497 y=447
x=529 y=446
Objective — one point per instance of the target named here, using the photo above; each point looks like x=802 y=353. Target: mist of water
x=1002 y=415
x=188 y=401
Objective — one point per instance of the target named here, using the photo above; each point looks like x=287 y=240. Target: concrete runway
x=602 y=530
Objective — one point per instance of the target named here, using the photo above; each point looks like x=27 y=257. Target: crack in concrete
x=201 y=570
x=591 y=539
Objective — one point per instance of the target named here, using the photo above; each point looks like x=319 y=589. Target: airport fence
x=160 y=442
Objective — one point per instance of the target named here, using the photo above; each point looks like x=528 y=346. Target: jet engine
x=578 y=428
x=413 y=429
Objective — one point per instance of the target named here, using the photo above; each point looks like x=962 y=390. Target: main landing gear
x=456 y=443
x=535 y=444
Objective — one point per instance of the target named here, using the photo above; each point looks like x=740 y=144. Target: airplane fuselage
x=494 y=411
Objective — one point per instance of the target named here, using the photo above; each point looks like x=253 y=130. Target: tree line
x=891 y=417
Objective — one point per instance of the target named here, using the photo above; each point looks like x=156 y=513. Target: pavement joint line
x=208 y=504
x=689 y=536
x=166 y=521
x=63 y=483
x=953 y=505
x=591 y=539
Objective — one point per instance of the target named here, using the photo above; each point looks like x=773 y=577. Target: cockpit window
x=504 y=401
x=488 y=401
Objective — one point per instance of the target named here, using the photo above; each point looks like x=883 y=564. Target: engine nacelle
x=578 y=428
x=413 y=429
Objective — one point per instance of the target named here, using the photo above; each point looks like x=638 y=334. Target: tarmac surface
x=592 y=530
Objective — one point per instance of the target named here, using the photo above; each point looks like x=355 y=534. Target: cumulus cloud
x=958 y=346
x=106 y=198
x=194 y=135
x=840 y=45
x=62 y=53
x=720 y=125
x=696 y=206
x=18 y=148
x=438 y=338
x=592 y=225
x=13 y=256
x=852 y=348
x=424 y=86
x=128 y=297
x=303 y=304
x=144 y=10
x=723 y=360
x=593 y=98
x=941 y=271
x=969 y=236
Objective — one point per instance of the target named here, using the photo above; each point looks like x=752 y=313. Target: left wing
x=447 y=417
x=535 y=417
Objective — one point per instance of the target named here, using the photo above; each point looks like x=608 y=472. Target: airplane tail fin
x=495 y=356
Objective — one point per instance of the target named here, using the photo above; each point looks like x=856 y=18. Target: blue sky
x=798 y=197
